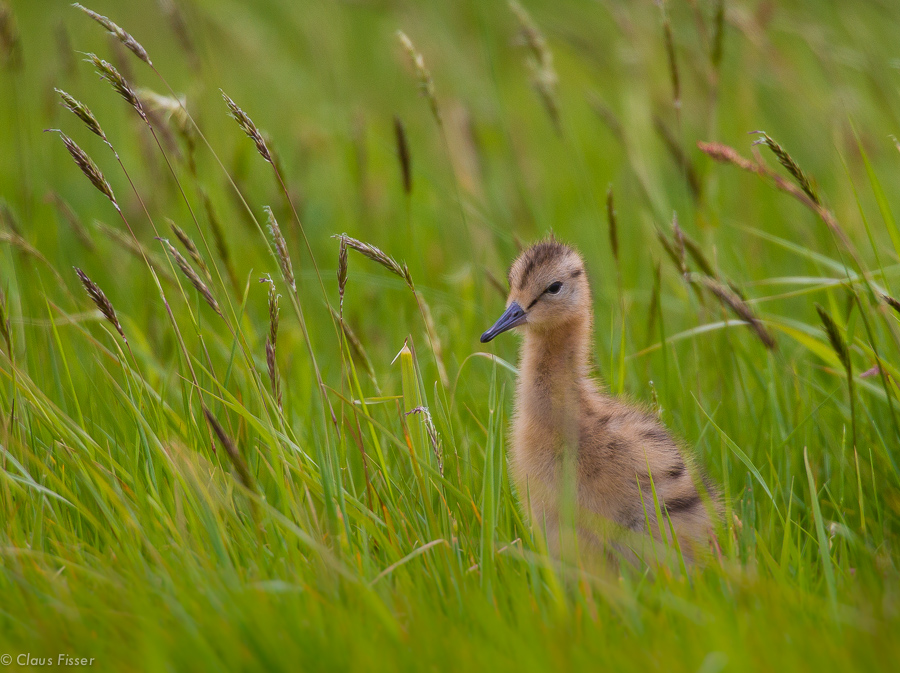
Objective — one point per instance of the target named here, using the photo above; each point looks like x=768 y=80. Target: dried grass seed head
x=240 y=465
x=248 y=127
x=376 y=255
x=281 y=250
x=107 y=71
x=790 y=165
x=733 y=301
x=5 y=327
x=100 y=301
x=88 y=167
x=838 y=344
x=83 y=112
x=192 y=276
x=125 y=38
x=190 y=247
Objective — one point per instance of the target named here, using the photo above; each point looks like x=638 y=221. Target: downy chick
x=565 y=428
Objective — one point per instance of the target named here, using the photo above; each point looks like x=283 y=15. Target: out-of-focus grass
x=345 y=531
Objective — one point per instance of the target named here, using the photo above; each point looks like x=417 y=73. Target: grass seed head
x=190 y=247
x=838 y=344
x=125 y=38
x=890 y=301
x=741 y=308
x=671 y=59
x=88 y=167
x=342 y=271
x=101 y=302
x=83 y=112
x=248 y=127
x=281 y=250
x=237 y=460
x=5 y=327
x=727 y=155
x=613 y=224
x=426 y=82
x=790 y=165
x=403 y=154
x=192 y=276
x=378 y=256
x=107 y=71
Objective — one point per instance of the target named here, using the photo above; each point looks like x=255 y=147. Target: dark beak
x=513 y=316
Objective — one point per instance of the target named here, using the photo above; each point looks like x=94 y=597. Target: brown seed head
x=88 y=167
x=890 y=301
x=342 y=271
x=192 y=276
x=248 y=127
x=240 y=465
x=100 y=301
x=84 y=113
x=378 y=256
x=108 y=72
x=838 y=344
x=732 y=300
x=790 y=165
x=123 y=37
x=5 y=330
x=403 y=154
x=281 y=250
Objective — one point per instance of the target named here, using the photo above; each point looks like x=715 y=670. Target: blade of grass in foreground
x=743 y=457
x=824 y=553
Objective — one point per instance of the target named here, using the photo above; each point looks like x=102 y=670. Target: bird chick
x=570 y=437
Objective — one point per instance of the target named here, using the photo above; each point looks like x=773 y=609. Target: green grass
x=381 y=539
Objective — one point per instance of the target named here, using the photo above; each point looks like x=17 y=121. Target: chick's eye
x=554 y=288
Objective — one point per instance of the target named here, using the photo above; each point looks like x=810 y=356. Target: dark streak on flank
x=682 y=503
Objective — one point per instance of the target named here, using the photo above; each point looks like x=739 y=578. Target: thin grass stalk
x=294 y=298
x=90 y=170
x=120 y=84
x=74 y=222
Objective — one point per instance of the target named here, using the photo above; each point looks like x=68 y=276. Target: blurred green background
x=391 y=541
